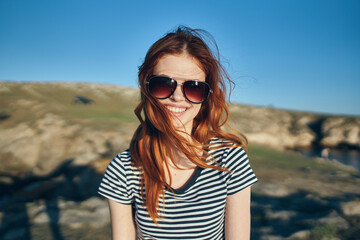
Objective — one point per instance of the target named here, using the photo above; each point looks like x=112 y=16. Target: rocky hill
x=57 y=138
x=42 y=125
x=292 y=130
x=47 y=121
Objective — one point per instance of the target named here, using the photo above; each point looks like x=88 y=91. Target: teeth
x=176 y=109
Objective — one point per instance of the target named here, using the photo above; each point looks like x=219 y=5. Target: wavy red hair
x=154 y=140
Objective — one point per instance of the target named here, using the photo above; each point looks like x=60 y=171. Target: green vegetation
x=43 y=232
x=323 y=231
x=113 y=109
x=263 y=157
x=353 y=232
x=28 y=102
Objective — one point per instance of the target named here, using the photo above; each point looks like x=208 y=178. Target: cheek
x=201 y=112
x=197 y=109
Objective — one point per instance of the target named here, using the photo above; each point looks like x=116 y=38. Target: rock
x=272 y=189
x=18 y=220
x=14 y=221
x=271 y=237
x=82 y=100
x=339 y=165
x=16 y=233
x=272 y=127
x=14 y=145
x=334 y=219
x=83 y=184
x=4 y=116
x=92 y=212
x=351 y=208
x=289 y=130
x=55 y=161
x=303 y=234
x=283 y=215
x=41 y=216
x=341 y=131
x=43 y=147
x=40 y=146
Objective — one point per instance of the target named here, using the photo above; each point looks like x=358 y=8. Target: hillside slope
x=53 y=151
x=48 y=121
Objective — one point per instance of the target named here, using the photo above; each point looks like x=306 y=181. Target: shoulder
x=226 y=152
x=222 y=142
x=124 y=156
x=223 y=146
x=234 y=159
x=122 y=164
x=121 y=159
x=120 y=180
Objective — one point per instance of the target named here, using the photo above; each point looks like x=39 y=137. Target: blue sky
x=299 y=55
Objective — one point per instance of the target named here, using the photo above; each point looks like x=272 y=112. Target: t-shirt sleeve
x=241 y=174
x=114 y=184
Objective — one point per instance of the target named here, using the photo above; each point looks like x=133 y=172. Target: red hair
x=156 y=137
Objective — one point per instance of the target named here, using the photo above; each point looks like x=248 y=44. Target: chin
x=177 y=124
x=180 y=125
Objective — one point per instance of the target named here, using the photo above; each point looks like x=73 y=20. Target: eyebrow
x=184 y=80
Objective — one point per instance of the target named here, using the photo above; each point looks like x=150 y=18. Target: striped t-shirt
x=196 y=211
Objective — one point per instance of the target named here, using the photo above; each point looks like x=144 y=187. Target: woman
x=183 y=176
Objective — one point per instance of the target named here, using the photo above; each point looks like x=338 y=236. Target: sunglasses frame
x=182 y=89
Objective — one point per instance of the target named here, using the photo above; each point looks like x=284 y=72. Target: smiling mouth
x=176 y=109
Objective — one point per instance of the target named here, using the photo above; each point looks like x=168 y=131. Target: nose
x=178 y=94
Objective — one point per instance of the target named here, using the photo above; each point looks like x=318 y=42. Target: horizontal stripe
x=194 y=212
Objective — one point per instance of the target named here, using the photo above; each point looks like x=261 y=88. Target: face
x=180 y=68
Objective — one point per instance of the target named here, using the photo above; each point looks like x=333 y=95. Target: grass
x=44 y=232
x=301 y=174
x=26 y=103
x=113 y=109
x=267 y=158
x=323 y=231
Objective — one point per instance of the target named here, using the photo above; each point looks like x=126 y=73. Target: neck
x=180 y=160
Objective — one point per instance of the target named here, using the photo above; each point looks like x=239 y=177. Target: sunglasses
x=162 y=87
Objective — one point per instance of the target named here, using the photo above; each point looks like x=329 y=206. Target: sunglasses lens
x=161 y=87
x=195 y=91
